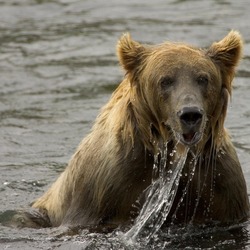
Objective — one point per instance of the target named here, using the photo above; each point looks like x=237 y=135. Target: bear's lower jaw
x=190 y=139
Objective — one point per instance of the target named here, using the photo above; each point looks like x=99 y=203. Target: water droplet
x=222 y=152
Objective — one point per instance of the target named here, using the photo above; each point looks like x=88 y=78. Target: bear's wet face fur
x=172 y=93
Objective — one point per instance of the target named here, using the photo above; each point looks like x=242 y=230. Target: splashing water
x=160 y=197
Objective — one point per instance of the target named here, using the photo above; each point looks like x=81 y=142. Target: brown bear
x=172 y=94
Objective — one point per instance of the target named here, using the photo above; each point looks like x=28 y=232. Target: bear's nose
x=190 y=116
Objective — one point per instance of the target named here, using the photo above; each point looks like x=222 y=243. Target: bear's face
x=182 y=85
x=180 y=90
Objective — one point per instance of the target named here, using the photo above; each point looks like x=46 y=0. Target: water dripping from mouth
x=159 y=197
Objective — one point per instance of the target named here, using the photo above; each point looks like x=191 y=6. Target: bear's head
x=179 y=92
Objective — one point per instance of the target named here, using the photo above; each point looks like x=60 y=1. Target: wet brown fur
x=113 y=164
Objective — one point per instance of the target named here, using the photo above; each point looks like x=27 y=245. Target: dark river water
x=58 y=67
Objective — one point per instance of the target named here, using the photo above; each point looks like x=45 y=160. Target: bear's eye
x=166 y=82
x=202 y=80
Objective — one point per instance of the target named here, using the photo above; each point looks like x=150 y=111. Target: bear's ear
x=130 y=53
x=227 y=54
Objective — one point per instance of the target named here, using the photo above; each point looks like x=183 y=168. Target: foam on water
x=159 y=198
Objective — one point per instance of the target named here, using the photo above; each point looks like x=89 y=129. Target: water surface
x=58 y=67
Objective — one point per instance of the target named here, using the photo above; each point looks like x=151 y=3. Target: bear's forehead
x=175 y=56
x=175 y=51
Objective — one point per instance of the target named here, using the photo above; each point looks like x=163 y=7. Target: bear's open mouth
x=190 y=138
